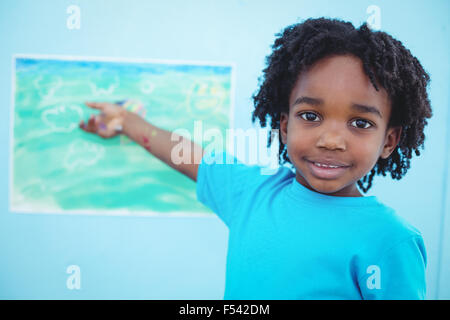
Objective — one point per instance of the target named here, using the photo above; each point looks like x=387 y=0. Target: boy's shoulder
x=386 y=228
x=257 y=174
x=394 y=223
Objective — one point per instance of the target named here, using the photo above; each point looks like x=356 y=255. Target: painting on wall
x=57 y=168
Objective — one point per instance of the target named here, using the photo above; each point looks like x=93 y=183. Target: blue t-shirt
x=289 y=242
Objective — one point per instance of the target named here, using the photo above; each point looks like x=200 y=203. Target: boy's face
x=329 y=123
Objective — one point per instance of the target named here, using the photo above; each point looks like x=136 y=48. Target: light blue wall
x=184 y=258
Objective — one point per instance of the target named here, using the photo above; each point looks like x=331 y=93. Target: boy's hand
x=108 y=123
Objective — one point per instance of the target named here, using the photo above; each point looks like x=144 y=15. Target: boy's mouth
x=327 y=169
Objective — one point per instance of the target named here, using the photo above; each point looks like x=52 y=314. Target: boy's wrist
x=125 y=120
x=128 y=109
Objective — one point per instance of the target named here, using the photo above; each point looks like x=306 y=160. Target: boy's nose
x=332 y=141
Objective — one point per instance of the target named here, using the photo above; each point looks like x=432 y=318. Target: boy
x=348 y=103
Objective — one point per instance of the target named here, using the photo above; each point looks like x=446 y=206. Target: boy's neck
x=349 y=191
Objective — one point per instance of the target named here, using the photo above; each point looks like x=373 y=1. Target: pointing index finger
x=96 y=105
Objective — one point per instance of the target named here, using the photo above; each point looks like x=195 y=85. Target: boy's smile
x=337 y=126
x=322 y=171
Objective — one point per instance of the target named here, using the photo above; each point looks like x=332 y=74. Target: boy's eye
x=308 y=116
x=361 y=124
x=357 y=123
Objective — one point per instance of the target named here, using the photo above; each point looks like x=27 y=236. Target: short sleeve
x=222 y=181
x=399 y=274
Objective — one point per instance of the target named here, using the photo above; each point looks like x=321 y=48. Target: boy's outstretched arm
x=157 y=141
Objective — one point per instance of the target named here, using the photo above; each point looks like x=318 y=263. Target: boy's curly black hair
x=385 y=61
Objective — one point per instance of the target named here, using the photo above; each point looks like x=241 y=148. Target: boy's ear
x=283 y=127
x=391 y=141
